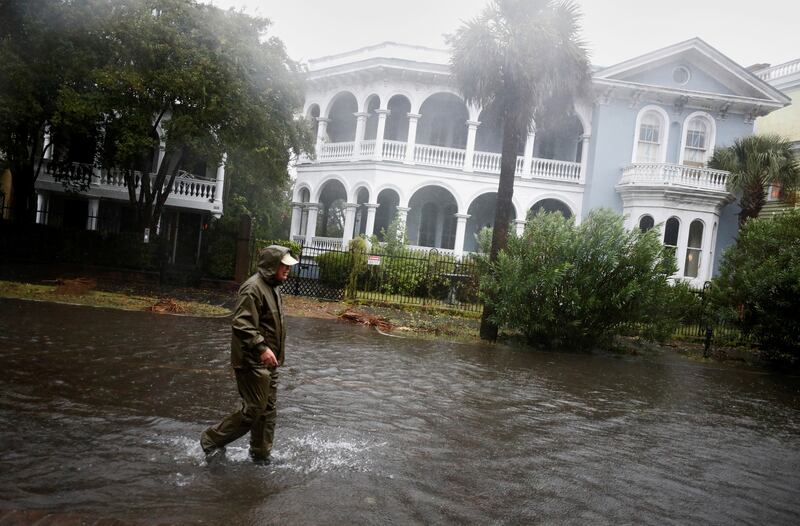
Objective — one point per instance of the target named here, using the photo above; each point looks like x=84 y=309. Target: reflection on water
x=101 y=411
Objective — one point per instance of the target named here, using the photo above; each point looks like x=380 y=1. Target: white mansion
x=395 y=138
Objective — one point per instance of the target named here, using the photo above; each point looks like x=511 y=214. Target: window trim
x=664 y=132
x=710 y=140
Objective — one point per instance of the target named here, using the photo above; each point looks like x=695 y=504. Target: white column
x=311 y=226
x=519 y=224
x=461 y=230
x=91 y=218
x=361 y=120
x=412 y=137
x=219 y=187
x=584 y=155
x=162 y=151
x=47 y=151
x=528 y=155
x=382 y=115
x=322 y=127
x=402 y=215
x=42 y=204
x=371 y=208
x=470 y=154
x=349 y=222
x=297 y=216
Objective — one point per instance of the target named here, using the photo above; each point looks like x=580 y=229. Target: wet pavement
x=101 y=411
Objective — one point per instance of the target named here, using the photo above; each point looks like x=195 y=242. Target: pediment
x=693 y=66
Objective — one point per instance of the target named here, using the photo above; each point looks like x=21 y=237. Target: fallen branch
x=165 y=306
x=379 y=322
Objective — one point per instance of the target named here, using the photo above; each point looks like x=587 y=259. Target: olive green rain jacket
x=258 y=319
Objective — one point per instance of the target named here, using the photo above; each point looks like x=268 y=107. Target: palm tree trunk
x=502 y=216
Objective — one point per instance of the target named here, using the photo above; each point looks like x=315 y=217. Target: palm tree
x=525 y=59
x=756 y=162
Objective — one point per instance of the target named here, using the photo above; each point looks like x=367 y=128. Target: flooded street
x=101 y=411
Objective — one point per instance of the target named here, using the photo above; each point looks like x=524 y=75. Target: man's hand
x=268 y=358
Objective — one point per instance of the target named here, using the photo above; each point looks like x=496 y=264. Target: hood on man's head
x=270 y=257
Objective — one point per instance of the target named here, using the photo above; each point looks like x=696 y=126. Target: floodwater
x=101 y=411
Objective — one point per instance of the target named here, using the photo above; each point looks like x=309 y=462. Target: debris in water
x=380 y=322
x=167 y=305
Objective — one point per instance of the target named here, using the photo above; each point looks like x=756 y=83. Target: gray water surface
x=101 y=411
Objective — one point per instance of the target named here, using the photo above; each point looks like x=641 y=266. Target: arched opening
x=560 y=140
x=388 y=200
x=443 y=121
x=550 y=205
x=330 y=219
x=671 y=230
x=397 y=121
x=362 y=197
x=431 y=221
x=371 y=126
x=342 y=124
x=694 y=249
x=481 y=215
x=646 y=223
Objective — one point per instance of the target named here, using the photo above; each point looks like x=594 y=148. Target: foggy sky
x=615 y=30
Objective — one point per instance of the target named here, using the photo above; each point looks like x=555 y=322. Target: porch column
x=412 y=137
x=461 y=230
x=470 y=154
x=42 y=205
x=322 y=127
x=371 y=208
x=162 y=151
x=402 y=216
x=527 y=162
x=382 y=115
x=91 y=217
x=349 y=222
x=584 y=155
x=361 y=119
x=297 y=217
x=219 y=187
x=311 y=225
x=519 y=224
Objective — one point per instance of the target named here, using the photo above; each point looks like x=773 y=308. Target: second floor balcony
x=677 y=176
x=444 y=157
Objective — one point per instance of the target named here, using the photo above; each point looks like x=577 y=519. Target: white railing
x=367 y=149
x=781 y=70
x=336 y=151
x=429 y=155
x=186 y=187
x=426 y=250
x=394 y=150
x=331 y=243
x=439 y=156
x=553 y=169
x=674 y=174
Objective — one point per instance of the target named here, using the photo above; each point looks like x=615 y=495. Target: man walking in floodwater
x=257 y=349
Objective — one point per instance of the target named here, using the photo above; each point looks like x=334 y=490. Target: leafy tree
x=758 y=286
x=575 y=287
x=525 y=59
x=756 y=162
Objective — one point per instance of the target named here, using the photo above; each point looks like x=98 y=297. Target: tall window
x=697 y=136
x=646 y=223
x=649 y=138
x=693 y=249
x=671 y=229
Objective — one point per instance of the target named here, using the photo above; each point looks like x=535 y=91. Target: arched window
x=650 y=138
x=698 y=139
x=646 y=223
x=671 y=229
x=694 y=249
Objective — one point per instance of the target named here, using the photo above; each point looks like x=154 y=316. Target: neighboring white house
x=394 y=137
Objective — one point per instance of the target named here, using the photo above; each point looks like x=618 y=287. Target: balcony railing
x=674 y=174
x=781 y=70
x=186 y=187
x=444 y=157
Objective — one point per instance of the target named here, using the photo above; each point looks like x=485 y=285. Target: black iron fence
x=380 y=275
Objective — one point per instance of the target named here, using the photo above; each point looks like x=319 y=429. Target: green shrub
x=570 y=286
x=758 y=287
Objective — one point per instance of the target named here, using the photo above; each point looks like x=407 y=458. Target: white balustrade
x=781 y=70
x=336 y=151
x=439 y=156
x=674 y=174
x=367 y=149
x=554 y=169
x=394 y=150
x=486 y=162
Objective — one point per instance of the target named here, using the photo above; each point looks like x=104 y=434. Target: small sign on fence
x=373 y=260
